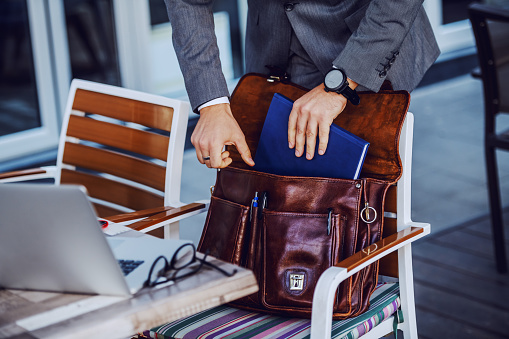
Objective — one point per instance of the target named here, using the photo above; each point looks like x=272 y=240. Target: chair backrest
x=491 y=30
x=126 y=147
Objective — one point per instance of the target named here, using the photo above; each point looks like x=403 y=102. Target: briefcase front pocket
x=227 y=223
x=297 y=249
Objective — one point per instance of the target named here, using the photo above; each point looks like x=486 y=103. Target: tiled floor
x=448 y=179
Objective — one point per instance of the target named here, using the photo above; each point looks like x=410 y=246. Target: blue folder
x=343 y=158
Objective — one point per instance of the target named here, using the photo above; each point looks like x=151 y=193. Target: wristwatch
x=336 y=81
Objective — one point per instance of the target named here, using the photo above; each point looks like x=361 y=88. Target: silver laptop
x=51 y=240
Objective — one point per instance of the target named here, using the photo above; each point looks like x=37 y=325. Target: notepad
x=343 y=158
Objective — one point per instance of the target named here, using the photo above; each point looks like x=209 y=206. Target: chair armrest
x=156 y=217
x=325 y=290
x=46 y=172
x=383 y=247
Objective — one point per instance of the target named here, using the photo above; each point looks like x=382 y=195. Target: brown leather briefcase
x=300 y=226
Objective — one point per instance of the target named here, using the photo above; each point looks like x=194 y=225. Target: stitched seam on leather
x=229 y=202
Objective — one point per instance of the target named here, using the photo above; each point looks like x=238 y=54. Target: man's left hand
x=312 y=116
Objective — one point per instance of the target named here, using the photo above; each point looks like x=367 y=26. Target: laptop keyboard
x=128 y=266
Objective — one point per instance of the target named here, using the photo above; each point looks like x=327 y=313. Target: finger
x=292 y=126
x=215 y=158
x=311 y=133
x=244 y=151
x=225 y=159
x=197 y=148
x=300 y=136
x=226 y=162
x=323 y=135
x=225 y=155
x=199 y=155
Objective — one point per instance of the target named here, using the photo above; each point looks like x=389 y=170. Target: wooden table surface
x=31 y=314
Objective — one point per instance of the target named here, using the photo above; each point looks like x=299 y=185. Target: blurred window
x=19 y=108
x=92 y=40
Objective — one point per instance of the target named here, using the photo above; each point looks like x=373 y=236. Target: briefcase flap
x=378 y=119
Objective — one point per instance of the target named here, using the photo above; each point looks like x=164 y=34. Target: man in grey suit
x=330 y=46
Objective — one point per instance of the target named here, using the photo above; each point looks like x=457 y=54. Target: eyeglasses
x=181 y=265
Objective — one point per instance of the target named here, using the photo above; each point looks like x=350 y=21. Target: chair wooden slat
x=389 y=263
x=390 y=227
x=166 y=215
x=112 y=191
x=129 y=139
x=391 y=203
x=20 y=173
x=115 y=163
x=130 y=110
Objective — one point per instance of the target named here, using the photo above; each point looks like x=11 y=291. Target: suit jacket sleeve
x=378 y=31
x=196 y=47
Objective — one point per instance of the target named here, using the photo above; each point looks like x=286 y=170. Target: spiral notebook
x=343 y=158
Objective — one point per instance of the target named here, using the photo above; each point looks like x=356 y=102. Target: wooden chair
x=491 y=29
x=126 y=148
x=395 y=255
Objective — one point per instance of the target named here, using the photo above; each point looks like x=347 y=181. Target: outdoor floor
x=458 y=293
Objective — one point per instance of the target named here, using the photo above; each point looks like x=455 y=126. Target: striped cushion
x=228 y=322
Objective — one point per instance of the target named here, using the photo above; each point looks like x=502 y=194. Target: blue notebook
x=343 y=158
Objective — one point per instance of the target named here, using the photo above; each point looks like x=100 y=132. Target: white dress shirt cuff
x=221 y=100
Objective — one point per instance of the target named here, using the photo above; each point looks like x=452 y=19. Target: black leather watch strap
x=351 y=95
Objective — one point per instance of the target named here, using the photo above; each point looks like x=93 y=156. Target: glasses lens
x=183 y=257
x=158 y=269
x=187 y=271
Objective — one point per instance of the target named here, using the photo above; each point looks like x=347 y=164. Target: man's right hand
x=216 y=128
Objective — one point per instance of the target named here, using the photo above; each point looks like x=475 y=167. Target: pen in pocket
x=254 y=203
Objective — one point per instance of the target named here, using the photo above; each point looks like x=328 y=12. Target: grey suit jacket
x=372 y=40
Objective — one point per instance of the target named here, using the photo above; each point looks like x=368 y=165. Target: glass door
x=452 y=27
x=44 y=45
x=28 y=123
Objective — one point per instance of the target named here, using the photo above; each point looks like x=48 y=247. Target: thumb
x=244 y=151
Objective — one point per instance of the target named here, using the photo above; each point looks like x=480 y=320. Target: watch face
x=334 y=79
